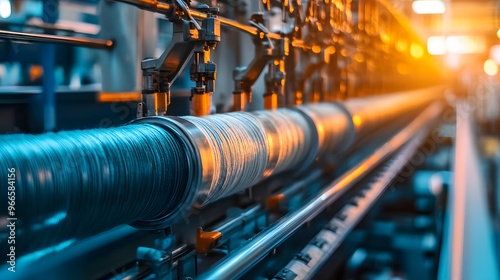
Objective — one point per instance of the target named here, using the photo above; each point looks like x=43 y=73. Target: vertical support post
x=50 y=15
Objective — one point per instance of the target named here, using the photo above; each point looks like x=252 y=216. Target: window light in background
x=495 y=53
x=440 y=45
x=436 y=45
x=428 y=7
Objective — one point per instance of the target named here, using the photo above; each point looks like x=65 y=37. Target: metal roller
x=237 y=143
x=247 y=147
x=149 y=173
x=334 y=127
x=369 y=114
x=242 y=259
x=291 y=139
x=71 y=185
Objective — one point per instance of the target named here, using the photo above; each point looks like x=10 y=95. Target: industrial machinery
x=314 y=140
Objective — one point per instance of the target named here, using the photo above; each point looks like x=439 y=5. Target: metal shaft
x=234 y=24
x=44 y=38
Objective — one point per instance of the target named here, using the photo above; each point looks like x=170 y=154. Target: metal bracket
x=188 y=38
x=245 y=77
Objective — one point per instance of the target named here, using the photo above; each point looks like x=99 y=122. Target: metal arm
x=188 y=38
x=158 y=74
x=245 y=77
x=275 y=77
x=266 y=53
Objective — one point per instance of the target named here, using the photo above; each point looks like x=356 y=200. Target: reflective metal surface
x=242 y=259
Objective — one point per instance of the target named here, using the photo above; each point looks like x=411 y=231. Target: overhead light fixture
x=428 y=7
x=436 y=45
x=440 y=45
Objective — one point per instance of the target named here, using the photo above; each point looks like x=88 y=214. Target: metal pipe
x=42 y=26
x=244 y=258
x=149 y=5
x=44 y=38
x=164 y=8
x=234 y=223
x=235 y=25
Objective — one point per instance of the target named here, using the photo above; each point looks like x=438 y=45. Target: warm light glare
x=465 y=44
x=436 y=45
x=495 y=53
x=490 y=67
x=401 y=46
x=416 y=51
x=453 y=61
x=402 y=69
x=428 y=7
x=5 y=9
x=359 y=57
x=356 y=119
x=440 y=45
x=316 y=49
x=498 y=33
x=385 y=37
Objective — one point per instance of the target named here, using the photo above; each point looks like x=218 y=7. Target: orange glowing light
x=401 y=45
x=328 y=52
x=385 y=37
x=403 y=69
x=316 y=49
x=36 y=72
x=356 y=119
x=359 y=57
x=118 y=96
